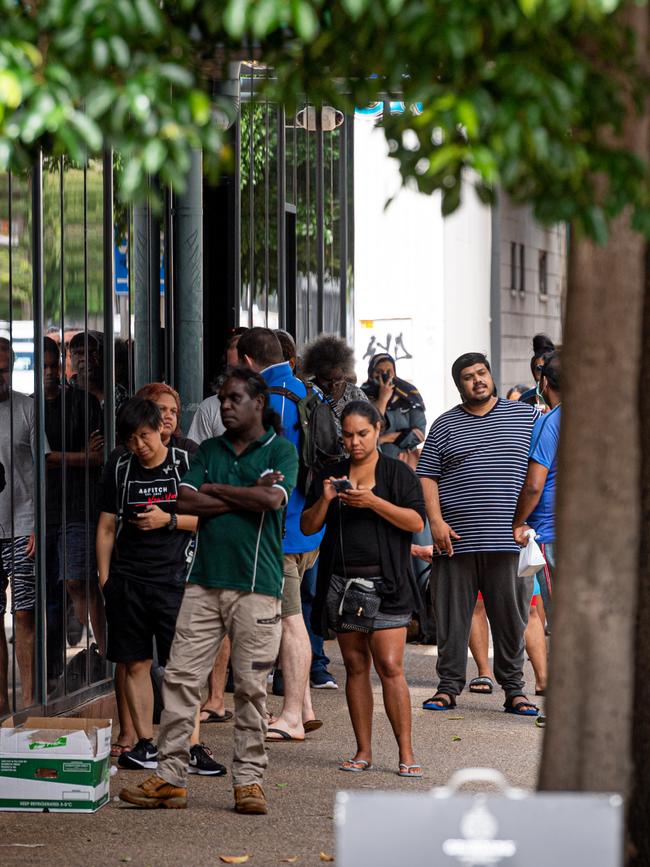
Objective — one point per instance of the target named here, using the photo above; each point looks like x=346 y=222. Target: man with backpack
x=144 y=550
x=260 y=349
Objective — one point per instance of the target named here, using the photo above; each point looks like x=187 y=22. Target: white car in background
x=22 y=342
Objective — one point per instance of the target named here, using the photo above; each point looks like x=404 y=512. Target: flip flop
x=481 y=681
x=540 y=692
x=365 y=766
x=439 y=702
x=516 y=709
x=405 y=771
x=118 y=749
x=214 y=717
x=312 y=725
x=285 y=737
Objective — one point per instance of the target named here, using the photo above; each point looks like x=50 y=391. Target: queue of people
x=288 y=516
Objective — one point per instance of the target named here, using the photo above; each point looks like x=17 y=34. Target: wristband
x=173 y=522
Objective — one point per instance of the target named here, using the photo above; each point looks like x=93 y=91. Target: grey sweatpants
x=207 y=615
x=455 y=584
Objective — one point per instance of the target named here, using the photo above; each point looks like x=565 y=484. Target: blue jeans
x=319 y=661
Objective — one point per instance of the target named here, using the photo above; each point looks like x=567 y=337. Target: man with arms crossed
x=260 y=350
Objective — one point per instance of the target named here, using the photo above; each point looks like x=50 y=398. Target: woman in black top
x=364 y=590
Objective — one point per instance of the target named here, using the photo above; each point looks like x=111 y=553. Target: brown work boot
x=156 y=793
x=250 y=799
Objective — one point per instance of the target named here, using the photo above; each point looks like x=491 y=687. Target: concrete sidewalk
x=301 y=784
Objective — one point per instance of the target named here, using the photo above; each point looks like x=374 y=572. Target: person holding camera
x=401 y=405
x=371 y=505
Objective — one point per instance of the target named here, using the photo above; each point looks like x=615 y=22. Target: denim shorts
x=381 y=621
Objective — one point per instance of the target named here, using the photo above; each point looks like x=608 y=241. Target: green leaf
x=88 y=130
x=176 y=74
x=596 y=224
x=468 y=117
x=149 y=16
x=153 y=156
x=99 y=100
x=305 y=20
x=265 y=17
x=529 y=7
x=200 y=107
x=450 y=200
x=355 y=8
x=100 y=53
x=455 y=738
x=234 y=18
x=120 y=51
x=11 y=93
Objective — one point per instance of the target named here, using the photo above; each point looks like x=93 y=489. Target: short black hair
x=469 y=359
x=261 y=345
x=287 y=343
x=326 y=353
x=256 y=386
x=137 y=412
x=50 y=346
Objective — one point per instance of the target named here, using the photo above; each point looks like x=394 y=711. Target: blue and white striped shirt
x=480 y=463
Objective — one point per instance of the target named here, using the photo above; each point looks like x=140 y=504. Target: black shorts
x=136 y=613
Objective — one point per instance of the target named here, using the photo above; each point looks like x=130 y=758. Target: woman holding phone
x=372 y=505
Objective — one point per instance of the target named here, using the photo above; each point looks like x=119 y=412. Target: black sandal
x=517 y=709
x=439 y=701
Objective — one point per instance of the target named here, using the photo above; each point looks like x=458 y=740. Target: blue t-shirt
x=543 y=450
x=281 y=376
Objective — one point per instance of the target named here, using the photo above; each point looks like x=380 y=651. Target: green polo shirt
x=242 y=550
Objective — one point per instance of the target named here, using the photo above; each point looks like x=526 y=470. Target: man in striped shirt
x=472 y=467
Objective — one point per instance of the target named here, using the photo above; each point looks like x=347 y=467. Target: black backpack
x=320 y=443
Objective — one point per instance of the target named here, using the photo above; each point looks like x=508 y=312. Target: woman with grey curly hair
x=329 y=363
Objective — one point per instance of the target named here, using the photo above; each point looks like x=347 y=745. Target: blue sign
x=122 y=267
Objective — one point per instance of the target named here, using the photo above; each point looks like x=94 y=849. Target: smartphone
x=386 y=376
x=341 y=485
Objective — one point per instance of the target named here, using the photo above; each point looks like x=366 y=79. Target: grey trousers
x=252 y=622
x=455 y=584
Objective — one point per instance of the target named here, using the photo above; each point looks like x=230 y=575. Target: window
x=513 y=267
x=522 y=268
x=543 y=273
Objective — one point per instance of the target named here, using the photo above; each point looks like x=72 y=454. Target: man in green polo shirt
x=238 y=485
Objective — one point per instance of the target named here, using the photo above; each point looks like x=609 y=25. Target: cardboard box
x=55 y=764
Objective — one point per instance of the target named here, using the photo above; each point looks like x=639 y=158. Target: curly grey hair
x=325 y=353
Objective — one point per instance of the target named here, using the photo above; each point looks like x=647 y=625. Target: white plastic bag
x=531 y=559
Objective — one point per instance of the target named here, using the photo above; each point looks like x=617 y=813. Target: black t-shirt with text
x=149 y=556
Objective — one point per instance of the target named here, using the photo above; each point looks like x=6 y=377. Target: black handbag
x=359 y=606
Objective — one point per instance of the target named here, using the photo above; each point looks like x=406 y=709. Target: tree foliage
x=530 y=95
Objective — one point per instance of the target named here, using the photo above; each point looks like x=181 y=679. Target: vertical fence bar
x=320 y=223
x=108 y=231
x=343 y=228
x=281 y=219
x=40 y=666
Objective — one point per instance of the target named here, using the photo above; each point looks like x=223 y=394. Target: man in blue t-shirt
x=536 y=503
x=260 y=349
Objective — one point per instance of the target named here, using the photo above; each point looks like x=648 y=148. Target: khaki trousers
x=252 y=622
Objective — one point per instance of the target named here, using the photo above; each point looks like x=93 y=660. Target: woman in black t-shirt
x=372 y=505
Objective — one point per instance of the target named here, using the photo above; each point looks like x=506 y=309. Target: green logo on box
x=45 y=745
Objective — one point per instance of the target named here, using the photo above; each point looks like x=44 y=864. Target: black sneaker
x=201 y=762
x=143 y=755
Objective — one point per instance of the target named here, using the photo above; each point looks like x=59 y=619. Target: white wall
x=416 y=274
